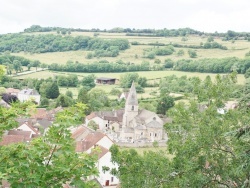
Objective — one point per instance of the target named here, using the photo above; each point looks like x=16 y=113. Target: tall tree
x=52 y=90
x=164 y=103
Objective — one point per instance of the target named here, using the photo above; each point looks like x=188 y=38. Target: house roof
x=79 y=131
x=31 y=127
x=115 y=115
x=11 y=139
x=89 y=141
x=39 y=113
x=25 y=134
x=29 y=92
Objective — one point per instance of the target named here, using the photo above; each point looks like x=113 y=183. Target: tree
x=36 y=64
x=50 y=161
x=247 y=74
x=151 y=169
x=97 y=99
x=192 y=53
x=17 y=66
x=52 y=90
x=127 y=79
x=64 y=101
x=93 y=125
x=180 y=52
x=88 y=81
x=69 y=94
x=142 y=81
x=83 y=95
x=164 y=103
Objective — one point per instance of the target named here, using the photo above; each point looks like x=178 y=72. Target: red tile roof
x=89 y=141
x=11 y=139
x=25 y=134
x=40 y=113
x=79 y=131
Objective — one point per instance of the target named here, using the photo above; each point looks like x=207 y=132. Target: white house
x=101 y=141
x=29 y=94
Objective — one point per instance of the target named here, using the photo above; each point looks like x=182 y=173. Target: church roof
x=154 y=124
x=132 y=96
x=140 y=127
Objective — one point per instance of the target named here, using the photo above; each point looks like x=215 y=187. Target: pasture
x=135 y=54
x=150 y=75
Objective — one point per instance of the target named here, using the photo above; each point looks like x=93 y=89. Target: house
x=131 y=124
x=101 y=142
x=29 y=94
x=104 y=80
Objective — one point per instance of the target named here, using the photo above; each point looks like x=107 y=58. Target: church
x=131 y=124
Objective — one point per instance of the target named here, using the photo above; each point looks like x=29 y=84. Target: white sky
x=202 y=15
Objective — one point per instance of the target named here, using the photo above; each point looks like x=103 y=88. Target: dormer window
x=132 y=108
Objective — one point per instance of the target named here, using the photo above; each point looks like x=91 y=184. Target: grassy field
x=135 y=54
x=150 y=75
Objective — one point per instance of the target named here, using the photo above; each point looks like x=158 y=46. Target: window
x=106 y=125
x=141 y=133
x=112 y=179
x=133 y=107
x=155 y=134
x=150 y=134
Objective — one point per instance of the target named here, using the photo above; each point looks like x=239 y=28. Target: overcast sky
x=202 y=15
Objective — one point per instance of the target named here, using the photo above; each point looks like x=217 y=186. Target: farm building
x=103 y=80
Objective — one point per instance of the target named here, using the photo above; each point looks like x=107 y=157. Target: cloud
x=204 y=15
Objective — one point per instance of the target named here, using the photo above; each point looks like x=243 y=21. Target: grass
x=150 y=75
x=135 y=54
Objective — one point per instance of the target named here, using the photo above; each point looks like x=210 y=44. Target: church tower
x=131 y=106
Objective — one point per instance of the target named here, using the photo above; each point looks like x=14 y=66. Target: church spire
x=132 y=96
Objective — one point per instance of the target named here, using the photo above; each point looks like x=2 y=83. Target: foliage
x=52 y=90
x=82 y=95
x=192 y=53
x=88 y=81
x=127 y=79
x=64 y=101
x=93 y=125
x=135 y=170
x=247 y=73
x=58 y=43
x=223 y=65
x=97 y=99
x=50 y=161
x=100 y=67
x=208 y=149
x=69 y=94
x=115 y=91
x=164 y=103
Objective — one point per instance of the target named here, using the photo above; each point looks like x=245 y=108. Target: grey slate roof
x=29 y=92
x=154 y=124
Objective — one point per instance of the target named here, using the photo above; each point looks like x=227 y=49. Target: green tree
x=192 y=53
x=17 y=66
x=83 y=95
x=142 y=81
x=164 y=103
x=247 y=74
x=48 y=161
x=64 y=101
x=93 y=125
x=69 y=94
x=88 y=81
x=180 y=52
x=97 y=99
x=52 y=90
x=127 y=79
x=36 y=64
